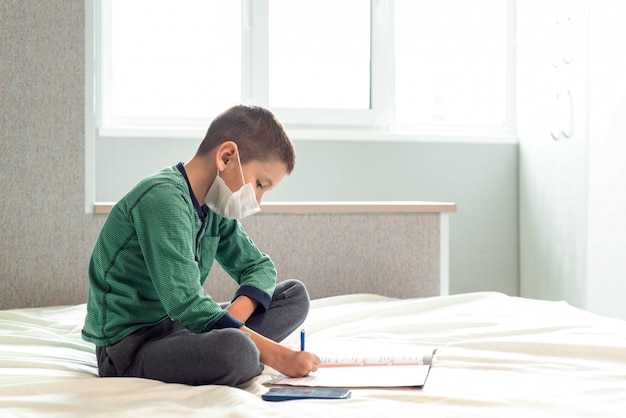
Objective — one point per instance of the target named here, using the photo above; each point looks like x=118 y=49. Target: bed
x=497 y=356
x=382 y=285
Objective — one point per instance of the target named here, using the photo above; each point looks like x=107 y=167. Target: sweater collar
x=199 y=208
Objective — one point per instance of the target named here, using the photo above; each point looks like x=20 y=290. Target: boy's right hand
x=285 y=360
x=297 y=363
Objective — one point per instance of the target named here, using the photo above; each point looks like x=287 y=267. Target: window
x=331 y=69
x=451 y=62
x=323 y=63
x=168 y=63
x=316 y=60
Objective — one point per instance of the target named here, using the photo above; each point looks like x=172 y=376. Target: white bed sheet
x=498 y=356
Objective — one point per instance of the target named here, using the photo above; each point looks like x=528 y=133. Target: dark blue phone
x=291 y=393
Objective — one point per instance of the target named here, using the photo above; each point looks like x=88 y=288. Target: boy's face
x=264 y=176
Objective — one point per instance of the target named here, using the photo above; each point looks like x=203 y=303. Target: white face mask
x=221 y=200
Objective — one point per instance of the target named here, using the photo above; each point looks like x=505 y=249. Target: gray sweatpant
x=171 y=353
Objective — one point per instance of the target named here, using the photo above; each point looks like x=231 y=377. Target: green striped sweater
x=153 y=255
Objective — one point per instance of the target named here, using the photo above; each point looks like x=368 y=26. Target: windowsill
x=428 y=134
x=103 y=208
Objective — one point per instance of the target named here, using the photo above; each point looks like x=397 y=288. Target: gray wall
x=45 y=234
x=46 y=237
x=480 y=178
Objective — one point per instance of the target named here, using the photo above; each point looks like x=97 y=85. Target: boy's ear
x=225 y=153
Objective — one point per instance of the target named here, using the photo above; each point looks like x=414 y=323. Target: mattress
x=497 y=356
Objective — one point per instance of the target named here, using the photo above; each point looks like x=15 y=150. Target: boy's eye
x=259 y=185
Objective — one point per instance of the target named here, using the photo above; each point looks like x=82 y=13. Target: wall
x=606 y=247
x=47 y=237
x=572 y=200
x=553 y=172
x=480 y=178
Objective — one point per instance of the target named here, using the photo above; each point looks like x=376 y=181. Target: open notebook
x=403 y=370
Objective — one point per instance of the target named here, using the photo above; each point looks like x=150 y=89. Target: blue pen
x=302 y=338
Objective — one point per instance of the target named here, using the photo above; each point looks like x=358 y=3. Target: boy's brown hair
x=257 y=132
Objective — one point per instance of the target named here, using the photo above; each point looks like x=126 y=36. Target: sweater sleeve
x=253 y=270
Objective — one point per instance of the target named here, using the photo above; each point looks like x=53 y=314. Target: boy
x=147 y=312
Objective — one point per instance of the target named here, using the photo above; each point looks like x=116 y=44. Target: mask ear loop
x=241 y=170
